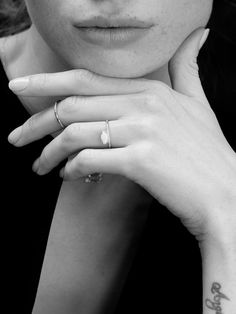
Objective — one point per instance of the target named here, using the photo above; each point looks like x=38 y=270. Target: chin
x=118 y=71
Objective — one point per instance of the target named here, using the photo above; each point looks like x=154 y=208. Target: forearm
x=219 y=273
x=90 y=247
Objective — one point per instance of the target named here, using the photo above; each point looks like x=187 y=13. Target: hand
x=166 y=140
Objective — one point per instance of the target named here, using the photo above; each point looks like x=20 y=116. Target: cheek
x=174 y=29
x=48 y=16
x=176 y=25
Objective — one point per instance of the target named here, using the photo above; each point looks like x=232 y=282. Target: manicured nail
x=14 y=136
x=35 y=166
x=204 y=37
x=19 y=84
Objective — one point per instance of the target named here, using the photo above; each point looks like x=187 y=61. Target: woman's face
x=172 y=20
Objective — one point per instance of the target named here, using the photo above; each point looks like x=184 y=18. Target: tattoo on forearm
x=215 y=305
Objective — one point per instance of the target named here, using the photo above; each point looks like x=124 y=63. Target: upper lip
x=98 y=21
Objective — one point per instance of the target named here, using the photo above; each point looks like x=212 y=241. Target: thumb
x=183 y=67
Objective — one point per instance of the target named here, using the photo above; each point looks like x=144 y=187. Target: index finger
x=76 y=82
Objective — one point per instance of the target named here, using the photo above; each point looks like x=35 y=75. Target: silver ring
x=57 y=116
x=93 y=178
x=106 y=136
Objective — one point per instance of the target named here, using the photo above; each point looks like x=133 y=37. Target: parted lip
x=99 y=21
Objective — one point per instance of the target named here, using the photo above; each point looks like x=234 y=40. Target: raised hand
x=167 y=140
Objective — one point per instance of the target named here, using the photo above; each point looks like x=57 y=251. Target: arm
x=174 y=145
x=91 y=244
x=219 y=270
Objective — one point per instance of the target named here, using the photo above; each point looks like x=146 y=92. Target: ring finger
x=75 y=138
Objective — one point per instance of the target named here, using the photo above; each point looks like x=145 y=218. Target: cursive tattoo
x=218 y=295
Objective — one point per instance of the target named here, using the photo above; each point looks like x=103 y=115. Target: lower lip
x=111 y=36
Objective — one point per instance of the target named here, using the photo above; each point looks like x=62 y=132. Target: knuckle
x=87 y=155
x=159 y=86
x=135 y=104
x=29 y=125
x=145 y=125
x=82 y=160
x=80 y=164
x=70 y=134
x=82 y=75
x=142 y=155
x=141 y=103
x=150 y=101
x=68 y=106
x=156 y=100
x=64 y=144
x=160 y=103
x=76 y=172
x=133 y=126
x=141 y=128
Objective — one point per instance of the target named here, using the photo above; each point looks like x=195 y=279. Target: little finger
x=88 y=161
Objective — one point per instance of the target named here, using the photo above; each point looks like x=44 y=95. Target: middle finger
x=74 y=109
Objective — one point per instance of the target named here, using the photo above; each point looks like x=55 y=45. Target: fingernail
x=204 y=37
x=18 y=84
x=35 y=166
x=14 y=136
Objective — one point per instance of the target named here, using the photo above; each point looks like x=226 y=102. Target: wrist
x=219 y=277
x=218 y=250
x=220 y=220
x=219 y=238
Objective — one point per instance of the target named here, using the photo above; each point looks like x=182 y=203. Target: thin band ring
x=106 y=136
x=109 y=133
x=57 y=116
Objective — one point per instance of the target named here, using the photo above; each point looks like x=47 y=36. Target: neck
x=29 y=54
